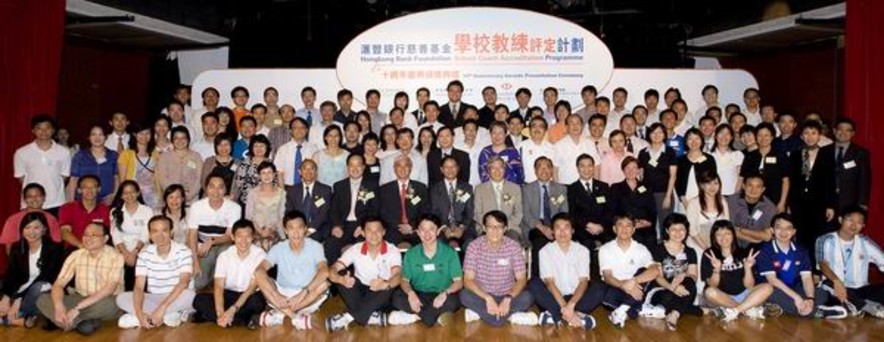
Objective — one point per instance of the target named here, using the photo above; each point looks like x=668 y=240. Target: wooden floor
x=690 y=329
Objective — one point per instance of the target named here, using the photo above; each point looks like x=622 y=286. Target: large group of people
x=257 y=214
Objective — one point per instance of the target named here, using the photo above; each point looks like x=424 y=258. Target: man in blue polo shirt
x=787 y=267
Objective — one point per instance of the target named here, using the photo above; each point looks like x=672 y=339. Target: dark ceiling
x=310 y=33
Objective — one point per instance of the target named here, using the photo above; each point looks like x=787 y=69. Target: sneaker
x=852 y=311
x=725 y=314
x=188 y=316
x=830 y=312
x=445 y=319
x=652 y=311
x=618 y=317
x=338 y=322
x=470 y=316
x=378 y=318
x=772 y=310
x=672 y=320
x=524 y=318
x=271 y=318
x=172 y=319
x=88 y=327
x=546 y=318
x=588 y=321
x=31 y=321
x=254 y=322
x=874 y=309
x=755 y=312
x=302 y=322
x=401 y=318
x=128 y=321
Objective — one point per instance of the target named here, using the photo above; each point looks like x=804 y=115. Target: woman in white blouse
x=702 y=211
x=727 y=160
x=129 y=233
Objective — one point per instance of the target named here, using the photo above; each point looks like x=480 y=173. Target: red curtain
x=30 y=59
x=864 y=72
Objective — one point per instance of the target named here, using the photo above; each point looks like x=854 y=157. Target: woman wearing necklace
x=246 y=177
x=138 y=163
x=222 y=163
x=96 y=160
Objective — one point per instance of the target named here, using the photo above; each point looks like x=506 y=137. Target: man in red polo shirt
x=73 y=217
x=34 y=195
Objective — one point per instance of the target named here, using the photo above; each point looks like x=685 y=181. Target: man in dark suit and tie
x=423 y=95
x=354 y=199
x=451 y=199
x=313 y=199
x=589 y=200
x=541 y=200
x=445 y=138
x=451 y=113
x=523 y=98
x=403 y=201
x=853 y=172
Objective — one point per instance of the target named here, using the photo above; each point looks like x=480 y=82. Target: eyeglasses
x=92 y=235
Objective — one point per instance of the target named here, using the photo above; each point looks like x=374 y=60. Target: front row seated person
x=495 y=277
x=98 y=271
x=844 y=257
x=367 y=289
x=431 y=279
x=165 y=267
x=301 y=283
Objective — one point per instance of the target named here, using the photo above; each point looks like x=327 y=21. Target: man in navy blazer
x=403 y=194
x=445 y=138
x=451 y=200
x=313 y=199
x=451 y=113
x=354 y=199
x=590 y=206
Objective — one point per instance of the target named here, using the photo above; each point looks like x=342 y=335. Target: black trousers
x=128 y=277
x=858 y=296
x=395 y=237
x=362 y=302
x=204 y=304
x=582 y=236
x=333 y=245
x=428 y=314
x=615 y=297
x=672 y=302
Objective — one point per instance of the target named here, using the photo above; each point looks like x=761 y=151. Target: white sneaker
x=652 y=311
x=128 y=321
x=172 y=319
x=618 y=317
x=338 y=322
x=470 y=316
x=524 y=318
x=378 y=318
x=401 y=318
x=271 y=318
x=302 y=322
x=756 y=312
x=546 y=318
x=874 y=309
x=726 y=314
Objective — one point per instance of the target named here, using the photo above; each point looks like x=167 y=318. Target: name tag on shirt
x=681 y=256
x=277 y=122
x=429 y=267
x=673 y=143
x=849 y=165
x=505 y=158
x=653 y=163
x=415 y=200
x=642 y=189
x=503 y=262
x=191 y=164
x=600 y=200
x=702 y=159
x=756 y=215
x=375 y=169
x=770 y=160
x=319 y=202
x=787 y=265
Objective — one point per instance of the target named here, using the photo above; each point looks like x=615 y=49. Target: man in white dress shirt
x=569 y=148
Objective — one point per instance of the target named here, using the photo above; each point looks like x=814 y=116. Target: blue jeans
x=29 y=300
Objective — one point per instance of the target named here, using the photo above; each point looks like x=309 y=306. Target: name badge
x=756 y=215
x=505 y=158
x=191 y=164
x=100 y=160
x=415 y=200
x=681 y=256
x=849 y=165
x=673 y=143
x=702 y=159
x=503 y=262
x=787 y=265
x=600 y=200
x=770 y=160
x=375 y=169
x=429 y=267
x=277 y=122
x=319 y=202
x=642 y=189
x=653 y=163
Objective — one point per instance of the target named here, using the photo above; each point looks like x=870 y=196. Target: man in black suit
x=445 y=138
x=486 y=113
x=523 y=98
x=451 y=113
x=589 y=202
x=853 y=171
x=354 y=199
x=313 y=199
x=423 y=95
x=812 y=198
x=451 y=199
x=403 y=201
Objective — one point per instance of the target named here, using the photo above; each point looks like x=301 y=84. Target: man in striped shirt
x=844 y=257
x=166 y=267
x=210 y=220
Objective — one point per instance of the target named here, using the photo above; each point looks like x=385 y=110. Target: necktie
x=544 y=205
x=120 y=146
x=588 y=188
x=308 y=203
x=309 y=118
x=805 y=166
x=840 y=156
x=298 y=160
x=420 y=117
x=454 y=109
x=450 y=203
x=629 y=145
x=497 y=195
x=354 y=196
x=839 y=160
x=402 y=193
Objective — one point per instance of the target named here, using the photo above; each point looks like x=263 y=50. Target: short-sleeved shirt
x=656 y=167
x=368 y=269
x=133 y=229
x=211 y=223
x=788 y=265
x=565 y=268
x=495 y=269
x=93 y=273
x=674 y=265
x=624 y=264
x=75 y=215
x=163 y=273
x=850 y=260
x=238 y=272
x=11 y=232
x=84 y=163
x=730 y=276
x=565 y=156
x=431 y=275
x=295 y=270
x=47 y=168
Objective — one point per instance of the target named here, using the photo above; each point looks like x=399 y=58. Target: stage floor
x=690 y=329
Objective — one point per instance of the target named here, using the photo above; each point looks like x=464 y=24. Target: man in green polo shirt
x=431 y=278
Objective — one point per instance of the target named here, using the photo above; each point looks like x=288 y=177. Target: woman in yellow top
x=138 y=163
